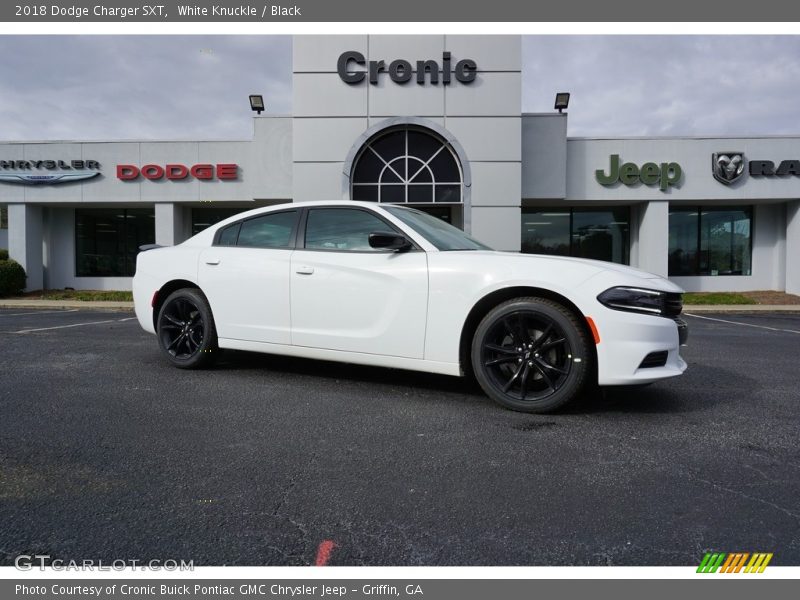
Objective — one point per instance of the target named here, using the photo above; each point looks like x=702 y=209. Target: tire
x=186 y=331
x=531 y=355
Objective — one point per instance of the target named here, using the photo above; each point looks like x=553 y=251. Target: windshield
x=442 y=235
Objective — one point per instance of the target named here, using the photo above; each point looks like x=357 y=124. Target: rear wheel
x=186 y=331
x=531 y=355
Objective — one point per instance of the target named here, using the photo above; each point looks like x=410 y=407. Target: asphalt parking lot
x=106 y=452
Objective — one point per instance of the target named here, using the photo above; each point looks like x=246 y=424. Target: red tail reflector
x=155 y=298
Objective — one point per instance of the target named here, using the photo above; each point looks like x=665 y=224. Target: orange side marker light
x=593 y=328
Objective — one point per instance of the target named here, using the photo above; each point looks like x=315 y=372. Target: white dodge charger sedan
x=391 y=286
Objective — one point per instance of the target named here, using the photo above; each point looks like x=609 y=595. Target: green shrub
x=3 y=254
x=12 y=278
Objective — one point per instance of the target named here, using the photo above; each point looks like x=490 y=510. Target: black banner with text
x=422 y=589
x=511 y=11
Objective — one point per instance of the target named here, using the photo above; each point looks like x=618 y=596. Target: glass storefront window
x=3 y=217
x=202 y=218
x=683 y=247
x=710 y=241
x=725 y=242
x=546 y=232
x=442 y=212
x=601 y=234
x=107 y=240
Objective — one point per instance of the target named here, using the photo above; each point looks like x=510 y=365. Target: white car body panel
x=356 y=358
x=625 y=338
x=249 y=290
x=401 y=310
x=155 y=268
x=456 y=290
x=367 y=302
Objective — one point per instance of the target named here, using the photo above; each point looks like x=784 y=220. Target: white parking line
x=745 y=324
x=38 y=312
x=74 y=325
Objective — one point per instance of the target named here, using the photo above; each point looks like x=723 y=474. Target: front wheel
x=186 y=331
x=531 y=355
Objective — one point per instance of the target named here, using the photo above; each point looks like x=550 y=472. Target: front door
x=349 y=296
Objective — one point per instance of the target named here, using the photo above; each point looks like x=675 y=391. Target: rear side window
x=272 y=230
x=342 y=229
x=227 y=236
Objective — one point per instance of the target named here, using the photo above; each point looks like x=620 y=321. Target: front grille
x=673 y=305
x=654 y=359
x=683 y=331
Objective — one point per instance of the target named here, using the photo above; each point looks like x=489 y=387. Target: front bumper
x=629 y=342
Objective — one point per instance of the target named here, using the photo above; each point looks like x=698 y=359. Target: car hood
x=591 y=268
x=600 y=264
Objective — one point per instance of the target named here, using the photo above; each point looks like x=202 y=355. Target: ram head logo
x=727 y=166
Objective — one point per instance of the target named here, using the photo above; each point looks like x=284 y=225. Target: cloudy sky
x=667 y=85
x=196 y=87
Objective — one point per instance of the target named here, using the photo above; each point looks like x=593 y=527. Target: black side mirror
x=387 y=240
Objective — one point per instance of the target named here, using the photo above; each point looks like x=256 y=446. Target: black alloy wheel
x=186 y=331
x=531 y=355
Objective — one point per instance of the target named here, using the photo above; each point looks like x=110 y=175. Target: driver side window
x=342 y=229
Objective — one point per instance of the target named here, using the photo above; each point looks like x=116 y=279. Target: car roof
x=308 y=204
x=340 y=202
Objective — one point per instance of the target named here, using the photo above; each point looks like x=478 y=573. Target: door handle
x=305 y=270
x=212 y=261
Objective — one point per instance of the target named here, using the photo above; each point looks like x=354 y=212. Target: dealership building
x=433 y=122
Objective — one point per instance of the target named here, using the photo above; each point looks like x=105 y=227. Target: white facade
x=482 y=117
x=509 y=164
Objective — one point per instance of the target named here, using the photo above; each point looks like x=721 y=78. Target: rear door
x=245 y=276
x=348 y=296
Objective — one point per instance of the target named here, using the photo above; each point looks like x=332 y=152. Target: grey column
x=25 y=241
x=653 y=243
x=793 y=247
x=170 y=224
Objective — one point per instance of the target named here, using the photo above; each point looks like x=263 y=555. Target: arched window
x=407 y=164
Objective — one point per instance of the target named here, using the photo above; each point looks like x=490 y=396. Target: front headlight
x=641 y=300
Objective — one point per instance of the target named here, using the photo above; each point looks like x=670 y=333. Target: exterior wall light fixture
x=562 y=101
x=257 y=102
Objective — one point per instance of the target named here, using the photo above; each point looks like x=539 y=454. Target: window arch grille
x=410 y=165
